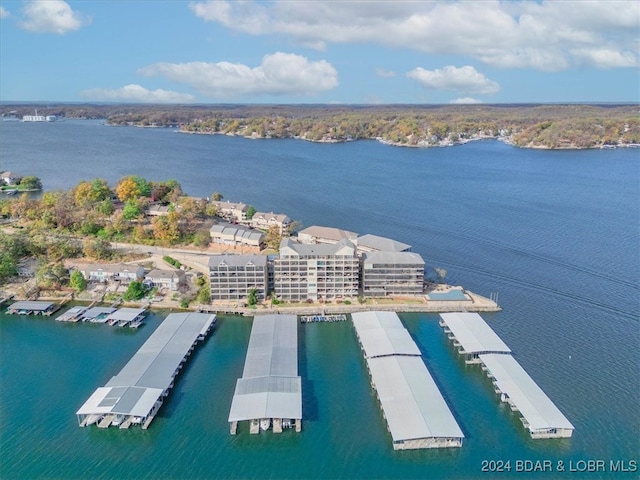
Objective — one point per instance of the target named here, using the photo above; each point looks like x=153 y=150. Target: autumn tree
x=127 y=189
x=216 y=196
x=97 y=248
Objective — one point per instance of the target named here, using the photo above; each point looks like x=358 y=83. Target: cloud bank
x=51 y=16
x=136 y=94
x=547 y=35
x=278 y=74
x=463 y=79
x=4 y=13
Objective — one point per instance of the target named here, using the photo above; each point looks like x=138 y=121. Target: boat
x=93 y=418
x=11 y=192
x=265 y=423
x=118 y=419
x=39 y=118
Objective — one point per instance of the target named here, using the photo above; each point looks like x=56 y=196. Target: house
x=120 y=272
x=328 y=235
x=10 y=178
x=169 y=279
x=157 y=210
x=233 y=212
x=236 y=235
x=264 y=221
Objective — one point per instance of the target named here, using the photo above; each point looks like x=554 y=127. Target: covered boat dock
x=31 y=308
x=269 y=394
x=471 y=335
x=125 y=316
x=97 y=314
x=515 y=387
x=72 y=315
x=416 y=413
x=135 y=395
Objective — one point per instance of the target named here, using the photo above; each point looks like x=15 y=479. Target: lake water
x=555 y=233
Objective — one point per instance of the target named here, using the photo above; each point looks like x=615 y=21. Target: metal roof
x=270 y=386
x=126 y=313
x=94 y=312
x=289 y=247
x=413 y=406
x=473 y=333
x=383 y=244
x=393 y=258
x=537 y=409
x=237 y=260
x=328 y=233
x=382 y=333
x=32 y=305
x=150 y=371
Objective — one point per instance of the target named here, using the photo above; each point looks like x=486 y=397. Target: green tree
x=77 y=281
x=216 y=196
x=250 y=212
x=31 y=183
x=97 y=248
x=204 y=293
x=52 y=275
x=135 y=291
x=105 y=207
x=131 y=210
x=252 y=298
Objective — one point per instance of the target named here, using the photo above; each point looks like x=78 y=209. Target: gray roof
x=239 y=231
x=289 y=247
x=150 y=371
x=170 y=274
x=534 y=405
x=382 y=244
x=270 y=386
x=93 y=312
x=393 y=258
x=32 y=305
x=473 y=333
x=328 y=233
x=237 y=260
x=126 y=313
x=382 y=334
x=413 y=406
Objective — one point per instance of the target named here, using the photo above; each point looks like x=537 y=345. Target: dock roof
x=534 y=405
x=150 y=371
x=413 y=405
x=382 y=333
x=32 y=306
x=473 y=333
x=270 y=386
x=126 y=313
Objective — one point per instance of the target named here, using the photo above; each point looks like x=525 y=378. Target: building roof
x=413 y=405
x=150 y=371
x=157 y=273
x=328 y=233
x=109 y=267
x=383 y=244
x=534 y=405
x=229 y=205
x=270 y=216
x=270 y=386
x=382 y=334
x=473 y=333
x=237 y=260
x=126 y=313
x=94 y=312
x=237 y=231
x=32 y=306
x=289 y=247
x=393 y=258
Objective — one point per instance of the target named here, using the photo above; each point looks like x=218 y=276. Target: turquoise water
x=556 y=234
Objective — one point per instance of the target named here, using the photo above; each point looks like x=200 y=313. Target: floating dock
x=135 y=395
x=269 y=394
x=31 y=307
x=97 y=314
x=481 y=345
x=125 y=316
x=416 y=413
x=471 y=335
x=72 y=315
x=340 y=317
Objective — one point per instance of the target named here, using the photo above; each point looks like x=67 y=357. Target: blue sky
x=320 y=51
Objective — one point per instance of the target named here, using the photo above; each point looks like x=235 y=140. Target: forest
x=553 y=126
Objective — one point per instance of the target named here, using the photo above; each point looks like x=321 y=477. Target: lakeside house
x=233 y=212
x=170 y=279
x=10 y=178
x=264 y=221
x=105 y=272
x=157 y=210
x=327 y=235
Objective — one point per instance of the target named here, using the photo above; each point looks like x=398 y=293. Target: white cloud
x=465 y=101
x=136 y=94
x=278 y=74
x=463 y=79
x=381 y=72
x=51 y=16
x=4 y=13
x=545 y=35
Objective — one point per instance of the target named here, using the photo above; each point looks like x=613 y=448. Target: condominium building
x=317 y=234
x=392 y=274
x=233 y=276
x=316 y=272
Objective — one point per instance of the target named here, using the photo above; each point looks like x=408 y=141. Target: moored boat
x=265 y=423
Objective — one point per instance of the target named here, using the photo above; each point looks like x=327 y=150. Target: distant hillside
x=530 y=126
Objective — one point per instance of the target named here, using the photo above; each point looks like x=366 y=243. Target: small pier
x=5 y=300
x=340 y=317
